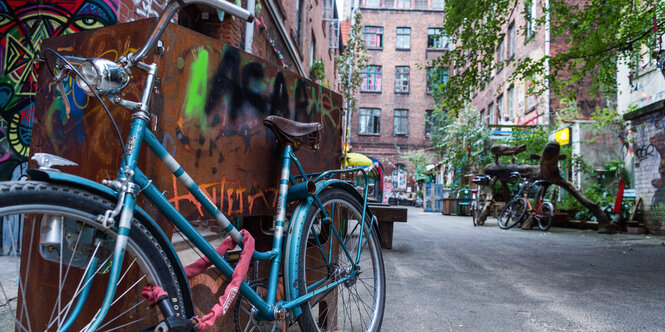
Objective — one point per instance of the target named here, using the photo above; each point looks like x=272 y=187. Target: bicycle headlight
x=104 y=76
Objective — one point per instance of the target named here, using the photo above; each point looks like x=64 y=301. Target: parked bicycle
x=95 y=235
x=478 y=196
x=519 y=207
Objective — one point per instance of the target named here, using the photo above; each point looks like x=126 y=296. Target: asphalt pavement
x=444 y=274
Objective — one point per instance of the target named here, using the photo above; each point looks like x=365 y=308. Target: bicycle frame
x=266 y=308
x=131 y=181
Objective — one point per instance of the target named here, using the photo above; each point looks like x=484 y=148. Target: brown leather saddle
x=294 y=133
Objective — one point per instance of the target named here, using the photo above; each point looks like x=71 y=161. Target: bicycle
x=478 y=197
x=96 y=236
x=515 y=211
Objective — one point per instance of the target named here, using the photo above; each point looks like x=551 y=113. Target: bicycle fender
x=104 y=191
x=296 y=229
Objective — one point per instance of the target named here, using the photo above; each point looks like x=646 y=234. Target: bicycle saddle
x=294 y=133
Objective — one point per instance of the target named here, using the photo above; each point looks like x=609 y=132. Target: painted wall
x=649 y=159
x=23 y=25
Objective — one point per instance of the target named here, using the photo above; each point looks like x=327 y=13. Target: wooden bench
x=387 y=215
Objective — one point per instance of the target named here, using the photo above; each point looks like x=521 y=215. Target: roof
x=345 y=30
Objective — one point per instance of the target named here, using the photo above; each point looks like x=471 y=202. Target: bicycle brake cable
x=71 y=67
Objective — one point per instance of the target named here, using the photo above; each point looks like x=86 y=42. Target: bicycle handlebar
x=170 y=10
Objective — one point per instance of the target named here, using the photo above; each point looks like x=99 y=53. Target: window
x=372 y=3
x=499 y=109
x=312 y=49
x=402 y=79
x=401 y=123
x=438 y=4
x=369 y=121
x=422 y=4
x=436 y=39
x=490 y=114
x=404 y=4
x=371 y=79
x=301 y=21
x=403 y=39
x=500 y=56
x=482 y=117
x=511 y=103
x=373 y=37
x=431 y=123
x=436 y=77
x=530 y=8
x=511 y=40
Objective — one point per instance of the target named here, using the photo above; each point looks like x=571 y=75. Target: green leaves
x=596 y=35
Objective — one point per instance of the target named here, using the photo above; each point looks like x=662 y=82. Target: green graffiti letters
x=198 y=89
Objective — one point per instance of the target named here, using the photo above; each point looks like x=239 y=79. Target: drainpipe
x=249 y=27
x=547 y=61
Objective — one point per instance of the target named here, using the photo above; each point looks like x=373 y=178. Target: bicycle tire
x=474 y=213
x=512 y=213
x=82 y=237
x=316 y=313
x=547 y=212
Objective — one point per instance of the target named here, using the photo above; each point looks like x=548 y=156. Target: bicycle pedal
x=175 y=324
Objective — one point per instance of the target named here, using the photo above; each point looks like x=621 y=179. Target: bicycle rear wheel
x=475 y=213
x=64 y=240
x=546 y=215
x=512 y=213
x=356 y=304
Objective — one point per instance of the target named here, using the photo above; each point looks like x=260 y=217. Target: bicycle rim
x=474 y=213
x=356 y=304
x=545 y=220
x=67 y=244
x=512 y=213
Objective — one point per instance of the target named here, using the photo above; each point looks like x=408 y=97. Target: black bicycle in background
x=515 y=212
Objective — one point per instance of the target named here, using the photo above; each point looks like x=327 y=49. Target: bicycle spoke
x=24 y=307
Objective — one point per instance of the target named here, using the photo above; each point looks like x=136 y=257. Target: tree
x=349 y=66
x=599 y=34
x=418 y=159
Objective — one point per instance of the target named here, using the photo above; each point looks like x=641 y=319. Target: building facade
x=394 y=100
x=513 y=103
x=641 y=98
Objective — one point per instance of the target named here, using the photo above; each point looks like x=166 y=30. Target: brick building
x=503 y=103
x=401 y=37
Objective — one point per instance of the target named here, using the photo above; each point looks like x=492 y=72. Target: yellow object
x=562 y=136
x=358 y=159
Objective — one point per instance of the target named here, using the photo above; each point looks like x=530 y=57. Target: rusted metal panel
x=211 y=104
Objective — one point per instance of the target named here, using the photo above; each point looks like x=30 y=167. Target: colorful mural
x=23 y=26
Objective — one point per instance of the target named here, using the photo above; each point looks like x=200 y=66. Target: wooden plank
x=389 y=213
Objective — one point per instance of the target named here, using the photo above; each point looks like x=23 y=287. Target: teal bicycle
x=326 y=258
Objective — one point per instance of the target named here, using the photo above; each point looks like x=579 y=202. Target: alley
x=445 y=275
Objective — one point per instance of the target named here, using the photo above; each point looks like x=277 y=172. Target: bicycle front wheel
x=357 y=303
x=512 y=213
x=546 y=215
x=63 y=240
x=475 y=213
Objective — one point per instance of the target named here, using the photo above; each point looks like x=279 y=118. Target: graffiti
x=146 y=8
x=230 y=196
x=23 y=25
x=198 y=89
x=645 y=151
